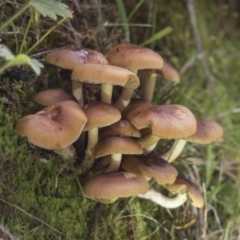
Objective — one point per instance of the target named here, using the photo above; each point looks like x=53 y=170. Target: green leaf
x=5 y=53
x=23 y=59
x=157 y=36
x=36 y=65
x=51 y=8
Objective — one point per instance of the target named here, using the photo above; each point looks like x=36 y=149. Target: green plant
x=46 y=8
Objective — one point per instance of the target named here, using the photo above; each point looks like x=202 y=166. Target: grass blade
x=157 y=36
x=124 y=19
x=135 y=9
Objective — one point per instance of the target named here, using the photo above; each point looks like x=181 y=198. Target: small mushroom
x=150 y=76
x=207 y=132
x=52 y=96
x=133 y=58
x=165 y=121
x=107 y=76
x=70 y=58
x=151 y=167
x=116 y=146
x=182 y=185
x=55 y=127
x=107 y=188
x=121 y=128
x=99 y=115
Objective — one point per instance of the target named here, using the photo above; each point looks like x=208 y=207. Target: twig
x=7 y=233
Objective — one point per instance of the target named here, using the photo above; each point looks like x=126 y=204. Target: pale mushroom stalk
x=106 y=93
x=77 y=92
x=174 y=202
x=148 y=142
x=125 y=97
x=67 y=152
x=115 y=162
x=92 y=138
x=89 y=157
x=149 y=86
x=174 y=152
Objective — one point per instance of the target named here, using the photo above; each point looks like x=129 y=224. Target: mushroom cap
x=69 y=58
x=207 y=132
x=54 y=127
x=151 y=167
x=53 y=96
x=135 y=103
x=121 y=128
x=169 y=72
x=194 y=193
x=166 y=121
x=100 y=114
x=115 y=185
x=114 y=145
x=133 y=57
x=105 y=74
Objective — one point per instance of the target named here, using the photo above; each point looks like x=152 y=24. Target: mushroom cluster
x=121 y=133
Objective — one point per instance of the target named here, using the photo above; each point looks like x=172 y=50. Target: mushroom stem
x=174 y=202
x=89 y=158
x=149 y=86
x=147 y=141
x=92 y=138
x=68 y=152
x=77 y=92
x=106 y=93
x=124 y=99
x=114 y=163
x=174 y=152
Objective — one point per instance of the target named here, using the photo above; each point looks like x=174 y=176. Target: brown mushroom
x=150 y=76
x=51 y=96
x=151 y=167
x=107 y=76
x=70 y=58
x=55 y=127
x=207 y=132
x=165 y=121
x=107 y=188
x=183 y=185
x=99 y=115
x=134 y=58
x=116 y=146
